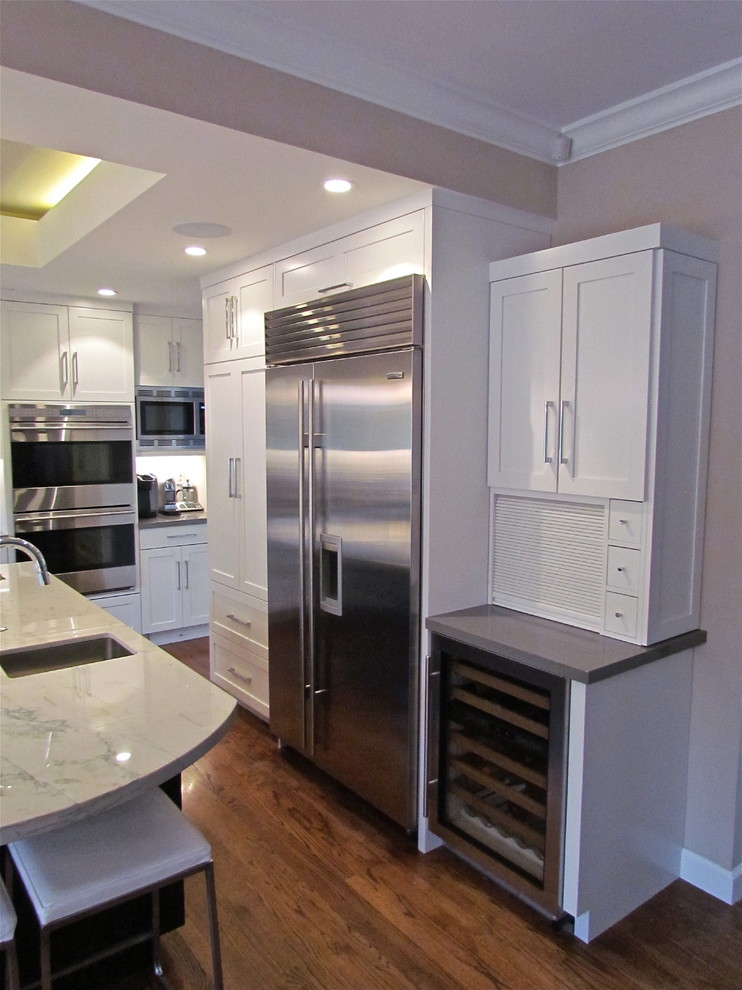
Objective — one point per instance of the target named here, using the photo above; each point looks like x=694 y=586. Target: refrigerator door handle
x=331 y=574
x=306 y=529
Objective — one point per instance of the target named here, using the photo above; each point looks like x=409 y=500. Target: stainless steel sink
x=56 y=656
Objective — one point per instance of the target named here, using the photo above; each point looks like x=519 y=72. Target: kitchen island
x=79 y=740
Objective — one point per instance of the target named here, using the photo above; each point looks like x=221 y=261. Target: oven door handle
x=36 y=517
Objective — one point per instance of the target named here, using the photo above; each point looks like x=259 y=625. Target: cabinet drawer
x=625 y=522
x=242 y=673
x=151 y=537
x=243 y=619
x=624 y=569
x=621 y=614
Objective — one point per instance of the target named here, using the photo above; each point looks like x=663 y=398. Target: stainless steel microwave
x=171 y=419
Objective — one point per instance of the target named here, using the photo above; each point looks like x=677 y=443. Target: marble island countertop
x=79 y=740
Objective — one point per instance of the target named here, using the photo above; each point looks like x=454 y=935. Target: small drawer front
x=621 y=614
x=624 y=569
x=241 y=618
x=150 y=538
x=243 y=674
x=625 y=522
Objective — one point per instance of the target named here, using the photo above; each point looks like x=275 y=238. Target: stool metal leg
x=216 y=952
x=46 y=966
x=12 y=979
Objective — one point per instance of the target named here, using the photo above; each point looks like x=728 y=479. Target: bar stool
x=136 y=848
x=7 y=939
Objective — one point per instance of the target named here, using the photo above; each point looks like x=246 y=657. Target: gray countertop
x=172 y=519
x=550 y=646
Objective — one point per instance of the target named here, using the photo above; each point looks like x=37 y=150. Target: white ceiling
x=513 y=72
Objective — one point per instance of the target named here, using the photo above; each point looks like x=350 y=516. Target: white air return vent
x=548 y=558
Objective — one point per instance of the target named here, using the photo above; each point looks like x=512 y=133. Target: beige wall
x=691 y=176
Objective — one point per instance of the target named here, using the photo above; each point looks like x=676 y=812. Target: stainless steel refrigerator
x=344 y=400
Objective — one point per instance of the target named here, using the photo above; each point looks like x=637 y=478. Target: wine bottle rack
x=498 y=745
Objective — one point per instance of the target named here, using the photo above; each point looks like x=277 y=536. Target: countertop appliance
x=169 y=496
x=171 y=419
x=147 y=495
x=344 y=393
x=74 y=496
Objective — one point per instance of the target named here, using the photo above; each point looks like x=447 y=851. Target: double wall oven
x=74 y=491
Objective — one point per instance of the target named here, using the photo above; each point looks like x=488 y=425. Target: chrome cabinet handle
x=562 y=407
x=170 y=356
x=187 y=576
x=179 y=584
x=547 y=406
x=230 y=477
x=237 y=465
x=64 y=369
x=178 y=353
x=75 y=370
x=235 y=673
x=238 y=620
x=339 y=285
x=227 y=320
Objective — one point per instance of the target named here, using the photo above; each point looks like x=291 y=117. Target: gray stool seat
x=8 y=921
x=132 y=849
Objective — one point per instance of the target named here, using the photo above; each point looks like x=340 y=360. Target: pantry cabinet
x=600 y=369
x=233 y=313
x=174 y=577
x=169 y=351
x=52 y=353
x=235 y=471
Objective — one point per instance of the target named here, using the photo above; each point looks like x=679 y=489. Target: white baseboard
x=726 y=885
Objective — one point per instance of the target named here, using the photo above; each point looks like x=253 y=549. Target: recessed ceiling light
x=195 y=250
x=337 y=185
x=106 y=292
x=201 y=230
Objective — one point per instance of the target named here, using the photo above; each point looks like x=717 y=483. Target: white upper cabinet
x=71 y=353
x=233 y=316
x=169 y=351
x=384 y=251
x=570 y=362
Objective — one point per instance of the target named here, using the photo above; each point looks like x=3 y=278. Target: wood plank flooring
x=319 y=892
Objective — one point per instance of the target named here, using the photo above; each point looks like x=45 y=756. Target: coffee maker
x=169 y=496
x=146 y=496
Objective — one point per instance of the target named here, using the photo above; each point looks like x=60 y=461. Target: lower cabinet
x=174 y=578
x=239 y=647
x=127 y=608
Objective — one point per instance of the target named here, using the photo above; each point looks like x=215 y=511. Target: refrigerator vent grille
x=548 y=558
x=373 y=318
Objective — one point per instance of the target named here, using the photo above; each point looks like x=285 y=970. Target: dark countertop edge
x=172 y=519
x=449 y=625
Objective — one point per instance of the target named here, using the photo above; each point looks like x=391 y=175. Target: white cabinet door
x=218 y=321
x=606 y=340
x=525 y=344
x=387 y=250
x=162 y=599
x=102 y=355
x=254 y=293
x=390 y=250
x=35 y=352
x=154 y=348
x=188 y=353
x=254 y=548
x=195 y=584
x=310 y=274
x=223 y=454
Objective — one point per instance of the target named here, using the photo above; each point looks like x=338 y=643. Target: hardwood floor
x=319 y=892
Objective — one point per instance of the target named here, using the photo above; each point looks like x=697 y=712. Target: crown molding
x=272 y=42
x=697 y=96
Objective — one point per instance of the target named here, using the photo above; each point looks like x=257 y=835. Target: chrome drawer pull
x=241 y=622
x=338 y=285
x=238 y=675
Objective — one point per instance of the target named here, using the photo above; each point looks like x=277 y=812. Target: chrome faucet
x=31 y=551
